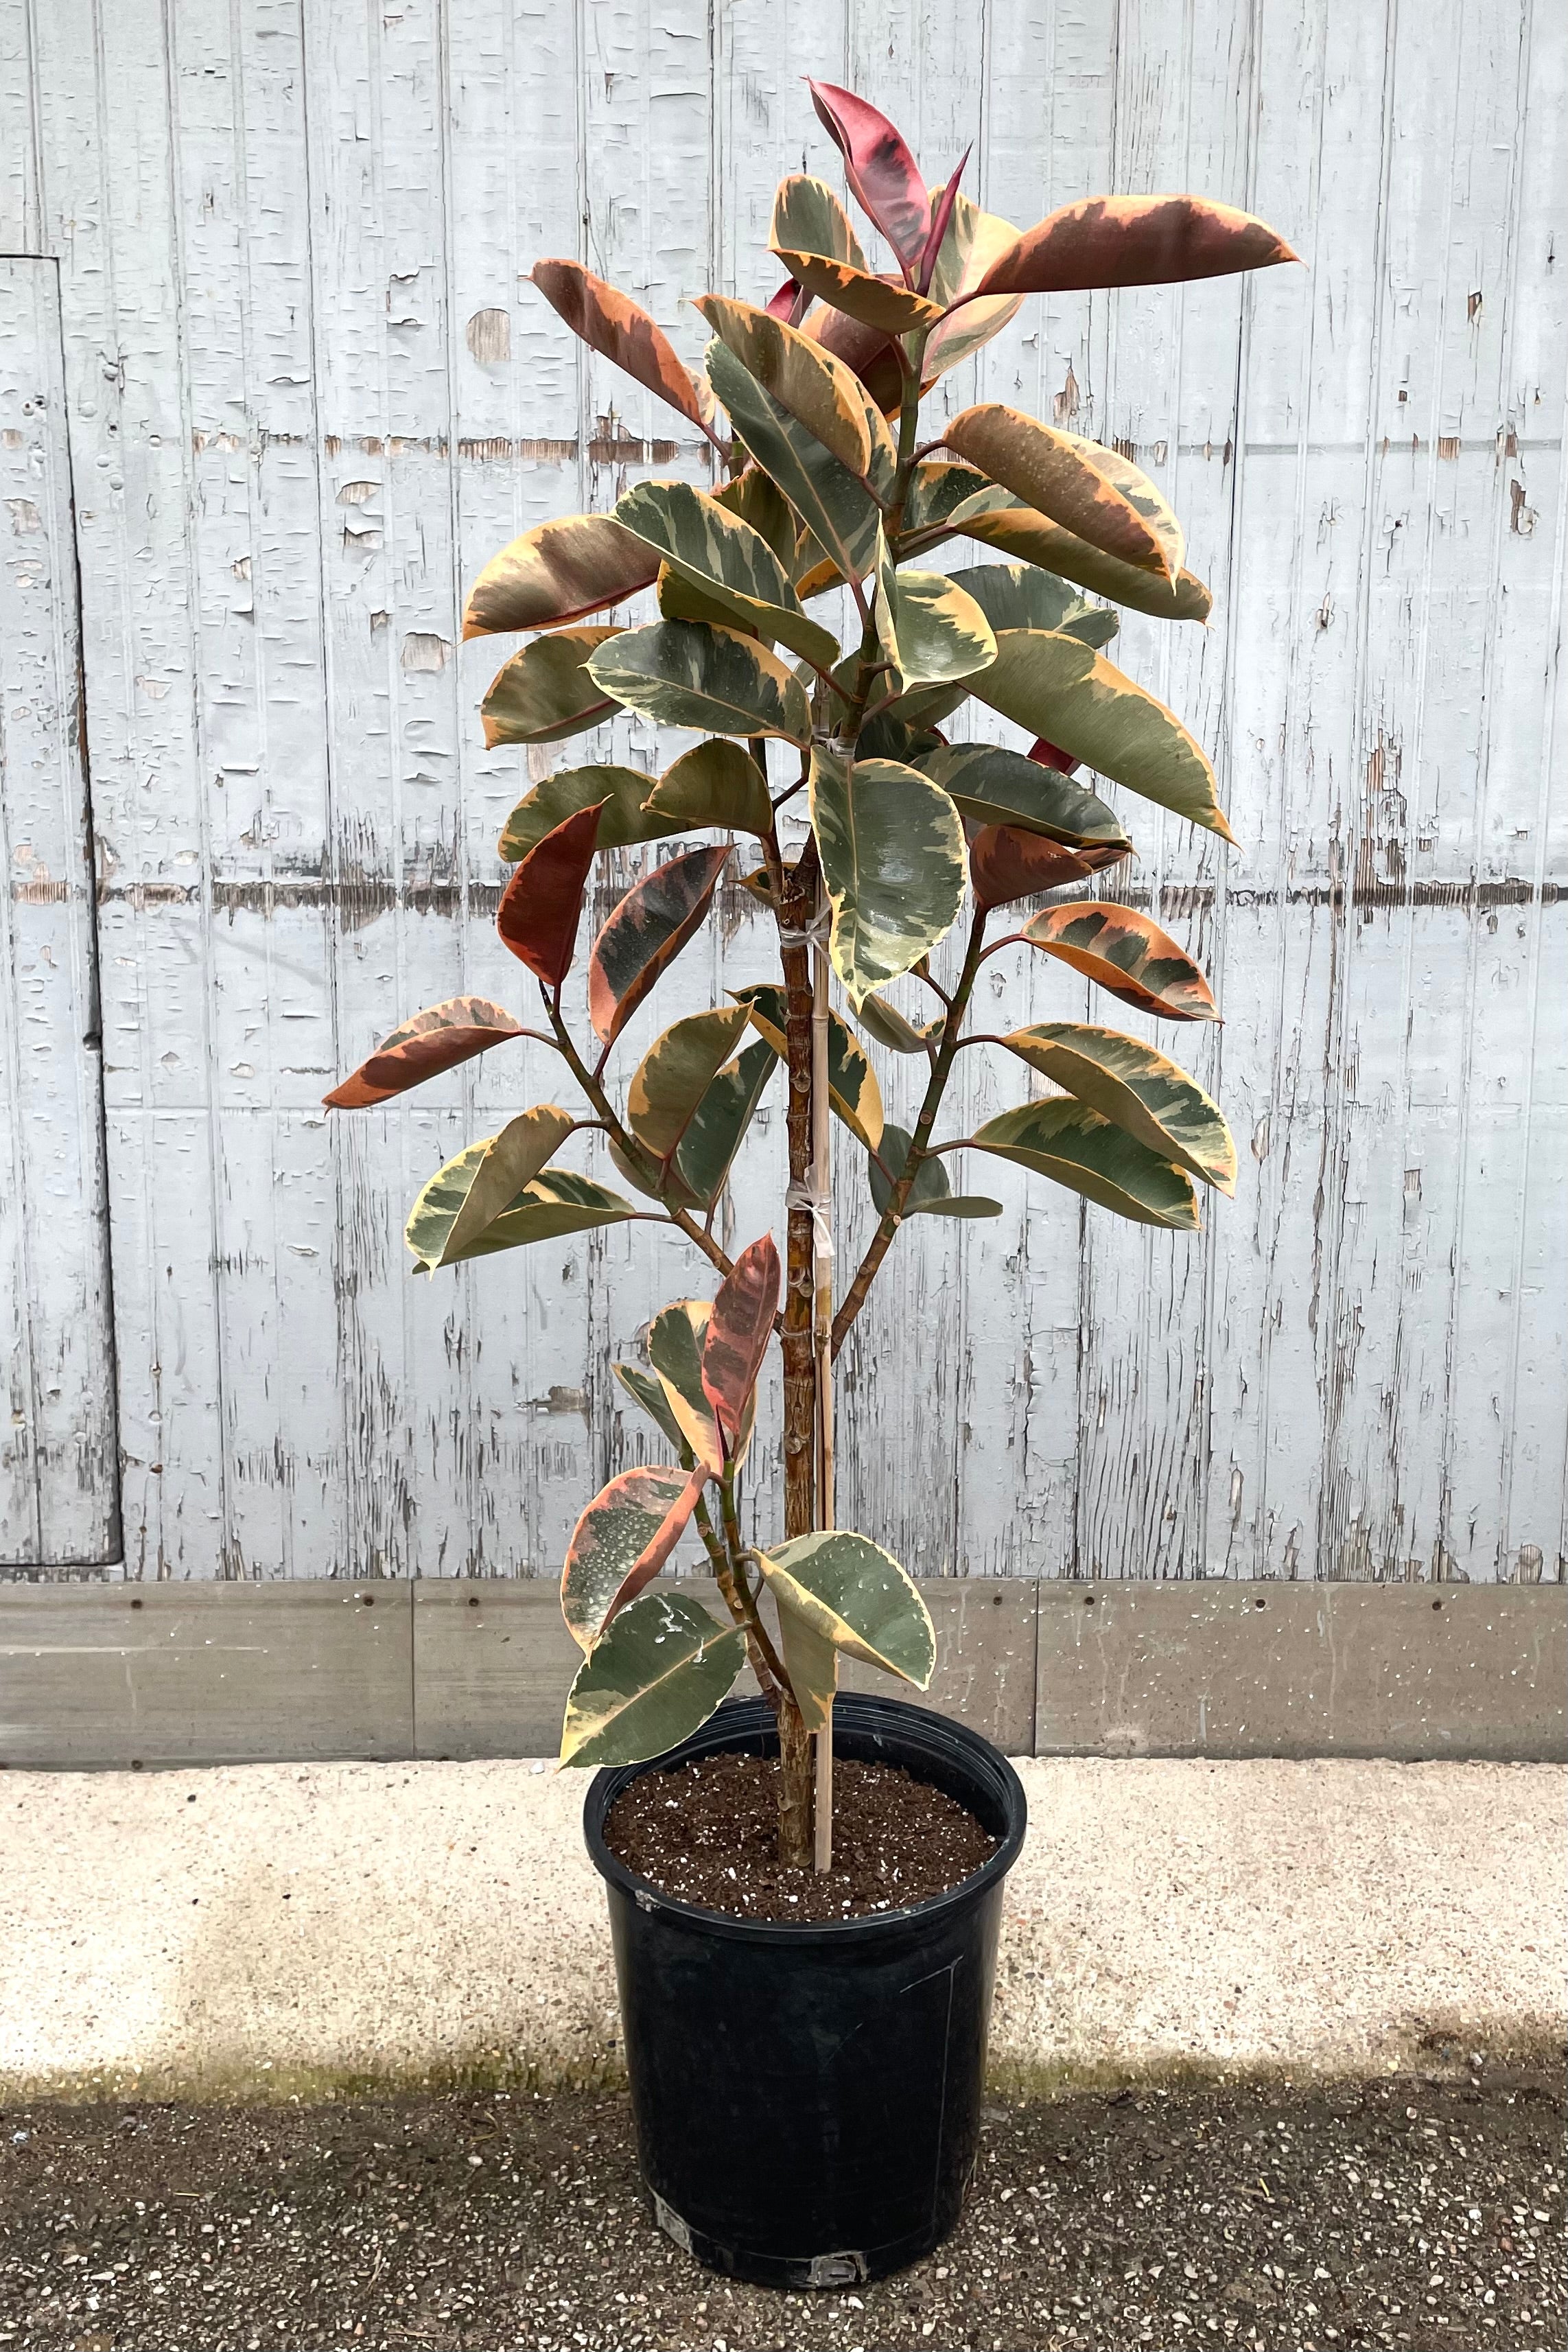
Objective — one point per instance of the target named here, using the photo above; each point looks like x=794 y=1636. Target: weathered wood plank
x=1272 y=1669
x=59 y=1500
x=123 y=1675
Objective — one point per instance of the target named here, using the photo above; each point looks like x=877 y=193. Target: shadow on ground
x=1407 y=2213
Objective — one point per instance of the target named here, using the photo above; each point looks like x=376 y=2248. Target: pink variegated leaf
x=738 y=1331
x=883 y=174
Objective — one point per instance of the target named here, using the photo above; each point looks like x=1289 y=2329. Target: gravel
x=1407 y=2213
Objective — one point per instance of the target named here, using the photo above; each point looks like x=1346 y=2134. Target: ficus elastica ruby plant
x=796 y=622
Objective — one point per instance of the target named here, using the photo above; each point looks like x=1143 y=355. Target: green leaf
x=716 y=783
x=884 y=1022
x=1061 y=688
x=1137 y=1088
x=892 y=847
x=835 y=507
x=725 y=559
x=929 y=630
x=557 y=1202
x=620 y=1544
x=855 y=1595
x=1091 y=491
x=1020 y=596
x=645 y=934
x=992 y=786
x=622 y=820
x=648 y=1391
x=1124 y=952
x=930 y=1194
x=711 y=680
x=650 y=1681
x=852 y=1088
x=560 y=571
x=818 y=391
x=545 y=692
x=1074 y=1145
x=466 y=1197
x=1014 y=529
x=675 y=1074
x=707 y=1149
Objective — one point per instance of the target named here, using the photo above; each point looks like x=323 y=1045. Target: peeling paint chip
x=421 y=650
x=357 y=494
x=488 y=336
x=24 y=516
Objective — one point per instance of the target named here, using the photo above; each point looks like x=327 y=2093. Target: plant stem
x=761 y=1656
x=794 y=892
x=947 y=1054
x=795 y=1775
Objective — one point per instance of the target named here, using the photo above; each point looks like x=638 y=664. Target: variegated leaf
x=1057 y=475
x=993 y=786
x=557 y=571
x=715 y=784
x=1057 y=687
x=1076 y=1147
x=675 y=1074
x=891 y=849
x=619 y=793
x=1135 y=1087
x=711 y=680
x=645 y=933
x=835 y=507
x=1124 y=953
x=620 y=1542
x=856 y=1596
x=650 y=1681
x=464 y=1198
x=436 y=1040
x=726 y=561
x=545 y=693
x=818 y=390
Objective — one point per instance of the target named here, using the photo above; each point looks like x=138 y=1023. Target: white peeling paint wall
x=309 y=393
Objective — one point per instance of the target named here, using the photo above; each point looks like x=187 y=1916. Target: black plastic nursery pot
x=806 y=2098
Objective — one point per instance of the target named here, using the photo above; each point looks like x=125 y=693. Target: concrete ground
x=268 y=1930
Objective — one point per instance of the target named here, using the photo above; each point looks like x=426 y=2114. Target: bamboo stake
x=821 y=1343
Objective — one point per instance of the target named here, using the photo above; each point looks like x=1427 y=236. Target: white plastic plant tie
x=814 y=934
x=803 y=1196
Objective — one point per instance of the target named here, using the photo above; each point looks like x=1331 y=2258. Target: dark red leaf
x=939 y=224
x=646 y=933
x=879 y=167
x=739 y=1332
x=783 y=303
x=1134 y=241
x=1005 y=863
x=613 y=324
x=1051 y=755
x=542 y=903
x=435 y=1039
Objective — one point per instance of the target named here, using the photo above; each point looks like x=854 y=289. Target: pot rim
x=861 y=1710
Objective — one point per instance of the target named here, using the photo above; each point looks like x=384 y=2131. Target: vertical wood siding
x=310 y=392
x=59 y=1475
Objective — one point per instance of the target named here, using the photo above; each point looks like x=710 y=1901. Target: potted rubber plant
x=806 y=2039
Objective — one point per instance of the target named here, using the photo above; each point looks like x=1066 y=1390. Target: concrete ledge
x=277 y=1929
x=160 y=1675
